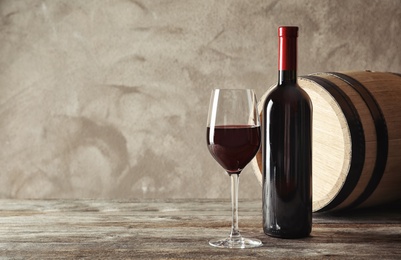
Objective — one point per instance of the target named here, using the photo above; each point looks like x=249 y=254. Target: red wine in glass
x=233 y=138
x=233 y=146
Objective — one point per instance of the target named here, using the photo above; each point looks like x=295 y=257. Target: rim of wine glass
x=252 y=91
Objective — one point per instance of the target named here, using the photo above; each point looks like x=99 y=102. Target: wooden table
x=180 y=229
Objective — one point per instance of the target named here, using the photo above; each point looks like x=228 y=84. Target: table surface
x=180 y=229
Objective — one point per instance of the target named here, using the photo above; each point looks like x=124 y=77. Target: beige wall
x=109 y=98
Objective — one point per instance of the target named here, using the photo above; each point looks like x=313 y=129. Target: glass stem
x=235 y=234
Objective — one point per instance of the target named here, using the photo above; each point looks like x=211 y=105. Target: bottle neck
x=287 y=60
x=287 y=76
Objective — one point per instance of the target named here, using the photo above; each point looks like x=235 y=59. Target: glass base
x=240 y=242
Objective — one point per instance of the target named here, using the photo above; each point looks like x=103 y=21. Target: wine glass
x=233 y=139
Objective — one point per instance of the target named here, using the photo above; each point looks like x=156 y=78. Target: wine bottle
x=287 y=148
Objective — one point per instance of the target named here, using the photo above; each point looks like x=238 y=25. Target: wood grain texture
x=180 y=229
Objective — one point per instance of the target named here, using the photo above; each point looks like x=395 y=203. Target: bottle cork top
x=288 y=31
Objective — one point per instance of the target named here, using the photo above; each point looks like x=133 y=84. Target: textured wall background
x=109 y=98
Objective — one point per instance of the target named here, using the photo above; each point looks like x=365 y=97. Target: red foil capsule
x=287 y=56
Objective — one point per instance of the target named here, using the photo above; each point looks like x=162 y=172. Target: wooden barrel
x=356 y=138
